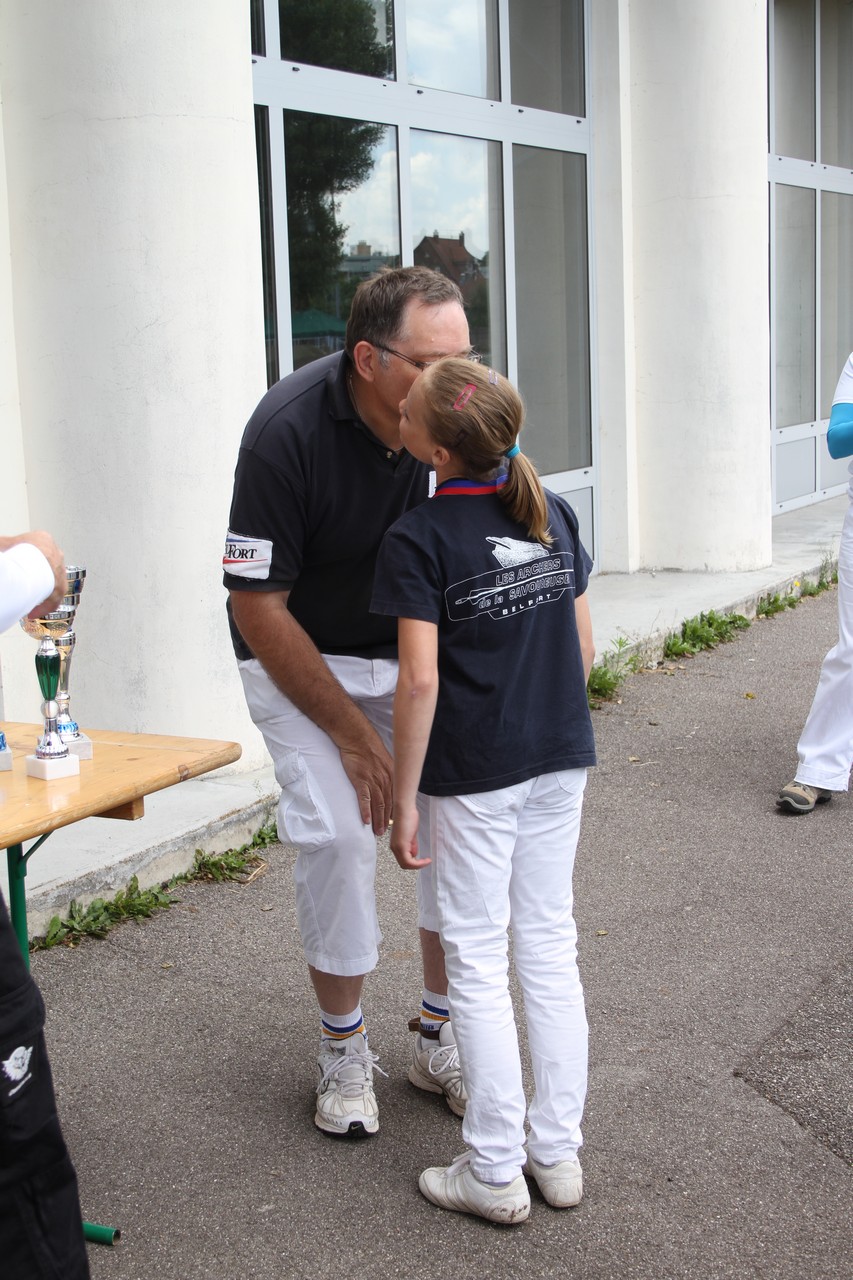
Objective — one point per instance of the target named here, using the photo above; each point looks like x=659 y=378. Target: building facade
x=645 y=203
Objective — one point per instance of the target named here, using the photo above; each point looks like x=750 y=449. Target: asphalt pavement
x=716 y=938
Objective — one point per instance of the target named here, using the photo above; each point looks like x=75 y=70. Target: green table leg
x=17 y=866
x=16 y=862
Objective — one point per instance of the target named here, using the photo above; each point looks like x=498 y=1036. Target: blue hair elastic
x=510 y=453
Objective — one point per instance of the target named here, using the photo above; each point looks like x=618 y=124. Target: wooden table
x=126 y=768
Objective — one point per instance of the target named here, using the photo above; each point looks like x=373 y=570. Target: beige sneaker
x=435 y=1066
x=457 y=1188
x=800 y=797
x=561 y=1184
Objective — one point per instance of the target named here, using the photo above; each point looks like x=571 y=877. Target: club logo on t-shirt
x=530 y=575
x=247 y=557
x=510 y=551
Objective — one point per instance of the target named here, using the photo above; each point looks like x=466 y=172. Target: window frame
x=281 y=84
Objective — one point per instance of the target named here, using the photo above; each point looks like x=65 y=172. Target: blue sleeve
x=839 y=437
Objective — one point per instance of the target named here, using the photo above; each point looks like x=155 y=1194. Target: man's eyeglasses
x=473 y=356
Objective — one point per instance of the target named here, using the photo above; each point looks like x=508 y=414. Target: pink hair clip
x=464 y=395
x=493 y=378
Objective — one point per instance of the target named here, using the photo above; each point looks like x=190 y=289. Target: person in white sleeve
x=825 y=748
x=32 y=576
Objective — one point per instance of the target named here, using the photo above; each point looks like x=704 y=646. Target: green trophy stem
x=47 y=670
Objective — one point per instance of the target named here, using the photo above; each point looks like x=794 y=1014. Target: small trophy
x=69 y=731
x=54 y=757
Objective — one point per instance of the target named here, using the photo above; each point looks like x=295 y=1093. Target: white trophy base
x=47 y=770
x=81 y=747
x=5 y=760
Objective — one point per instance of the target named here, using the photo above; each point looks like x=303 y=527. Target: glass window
x=795 y=306
x=552 y=306
x=836 y=82
x=547 y=56
x=453 y=45
x=836 y=294
x=457 y=222
x=343 y=221
x=832 y=471
x=258 y=28
x=262 y=146
x=794 y=77
x=795 y=469
x=580 y=500
x=346 y=35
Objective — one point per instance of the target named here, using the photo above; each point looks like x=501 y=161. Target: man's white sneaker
x=346 y=1103
x=561 y=1184
x=435 y=1068
x=459 y=1189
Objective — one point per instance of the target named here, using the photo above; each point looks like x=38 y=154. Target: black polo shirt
x=511 y=692
x=314 y=492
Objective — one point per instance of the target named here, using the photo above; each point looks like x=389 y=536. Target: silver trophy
x=69 y=730
x=61 y=745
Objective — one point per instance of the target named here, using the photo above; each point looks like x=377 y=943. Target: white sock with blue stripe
x=435 y=1011
x=336 y=1028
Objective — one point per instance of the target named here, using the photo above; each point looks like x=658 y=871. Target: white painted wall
x=700 y=275
x=135 y=270
x=613 y=301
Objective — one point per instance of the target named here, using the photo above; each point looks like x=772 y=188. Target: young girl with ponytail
x=491 y=725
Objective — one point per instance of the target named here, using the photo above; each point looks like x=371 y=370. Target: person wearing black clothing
x=321 y=475
x=41 y=1229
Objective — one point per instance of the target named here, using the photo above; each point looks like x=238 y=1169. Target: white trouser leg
x=825 y=749
x=500 y=854
x=473 y=838
x=545 y=943
x=318 y=813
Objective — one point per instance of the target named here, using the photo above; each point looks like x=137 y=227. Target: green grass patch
x=101 y=915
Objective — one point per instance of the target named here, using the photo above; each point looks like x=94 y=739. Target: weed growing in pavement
x=825 y=579
x=96 y=920
x=769 y=605
x=704 y=632
x=606 y=677
x=697 y=634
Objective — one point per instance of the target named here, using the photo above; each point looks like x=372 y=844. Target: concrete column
x=134 y=234
x=610 y=81
x=14 y=516
x=699 y=125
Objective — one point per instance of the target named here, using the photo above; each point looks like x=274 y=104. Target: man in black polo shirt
x=320 y=476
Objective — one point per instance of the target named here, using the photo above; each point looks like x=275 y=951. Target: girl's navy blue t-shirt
x=512 y=696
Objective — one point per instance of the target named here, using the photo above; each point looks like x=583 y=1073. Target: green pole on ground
x=100 y=1235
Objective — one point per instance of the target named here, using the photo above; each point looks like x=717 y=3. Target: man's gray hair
x=376 y=315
